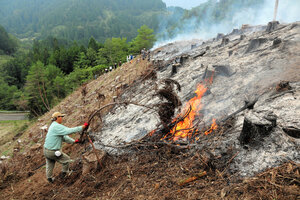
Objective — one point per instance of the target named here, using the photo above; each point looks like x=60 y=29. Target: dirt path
x=13 y=116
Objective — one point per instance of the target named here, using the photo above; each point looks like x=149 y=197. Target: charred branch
x=292 y=131
x=150 y=74
x=248 y=105
x=169 y=84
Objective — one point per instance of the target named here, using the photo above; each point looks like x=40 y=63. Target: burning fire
x=184 y=128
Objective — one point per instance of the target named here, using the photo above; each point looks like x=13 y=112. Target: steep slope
x=247 y=64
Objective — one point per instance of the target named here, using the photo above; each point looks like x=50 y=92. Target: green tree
x=93 y=44
x=78 y=20
x=144 y=39
x=35 y=89
x=55 y=84
x=15 y=70
x=45 y=86
x=82 y=61
x=65 y=58
x=7 y=95
x=91 y=56
x=114 y=50
x=7 y=44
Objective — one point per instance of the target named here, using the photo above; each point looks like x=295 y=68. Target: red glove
x=76 y=141
x=86 y=126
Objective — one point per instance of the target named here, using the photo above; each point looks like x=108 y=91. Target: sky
x=187 y=4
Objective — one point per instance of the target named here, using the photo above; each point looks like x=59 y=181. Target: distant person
x=57 y=134
x=149 y=56
x=110 y=68
x=144 y=52
x=115 y=65
x=106 y=70
x=120 y=63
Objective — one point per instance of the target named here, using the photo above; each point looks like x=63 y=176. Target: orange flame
x=151 y=133
x=213 y=127
x=184 y=128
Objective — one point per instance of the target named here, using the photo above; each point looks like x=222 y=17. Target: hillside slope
x=78 y=20
x=246 y=64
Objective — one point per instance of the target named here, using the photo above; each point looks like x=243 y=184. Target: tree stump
x=90 y=161
x=255 y=44
x=255 y=128
x=272 y=26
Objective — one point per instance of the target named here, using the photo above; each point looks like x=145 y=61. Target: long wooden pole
x=95 y=151
x=275 y=10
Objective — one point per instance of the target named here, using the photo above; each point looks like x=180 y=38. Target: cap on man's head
x=57 y=114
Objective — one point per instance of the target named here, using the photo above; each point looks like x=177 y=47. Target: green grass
x=8 y=130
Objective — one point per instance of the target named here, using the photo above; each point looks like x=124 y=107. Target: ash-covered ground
x=260 y=64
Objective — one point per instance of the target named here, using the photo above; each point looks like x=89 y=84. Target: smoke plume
x=206 y=26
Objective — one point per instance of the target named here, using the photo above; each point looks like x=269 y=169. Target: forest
x=49 y=48
x=37 y=79
x=78 y=20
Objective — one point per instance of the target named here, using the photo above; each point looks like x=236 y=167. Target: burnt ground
x=151 y=173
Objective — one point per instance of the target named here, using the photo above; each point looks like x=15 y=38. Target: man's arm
x=63 y=130
x=68 y=139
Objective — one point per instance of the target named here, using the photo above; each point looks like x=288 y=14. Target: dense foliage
x=78 y=20
x=7 y=44
x=37 y=80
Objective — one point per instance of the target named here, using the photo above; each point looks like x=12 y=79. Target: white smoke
x=288 y=11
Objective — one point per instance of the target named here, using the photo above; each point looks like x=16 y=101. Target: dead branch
x=228 y=163
x=279 y=95
x=92 y=115
x=45 y=93
x=41 y=95
x=191 y=179
x=169 y=83
x=248 y=105
x=95 y=152
x=135 y=144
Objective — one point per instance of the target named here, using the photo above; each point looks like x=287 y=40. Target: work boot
x=64 y=174
x=50 y=180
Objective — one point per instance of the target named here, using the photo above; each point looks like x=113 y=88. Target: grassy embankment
x=10 y=131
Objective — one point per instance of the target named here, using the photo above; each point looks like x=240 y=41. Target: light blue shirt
x=58 y=133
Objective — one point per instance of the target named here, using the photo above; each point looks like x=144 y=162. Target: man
x=58 y=133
